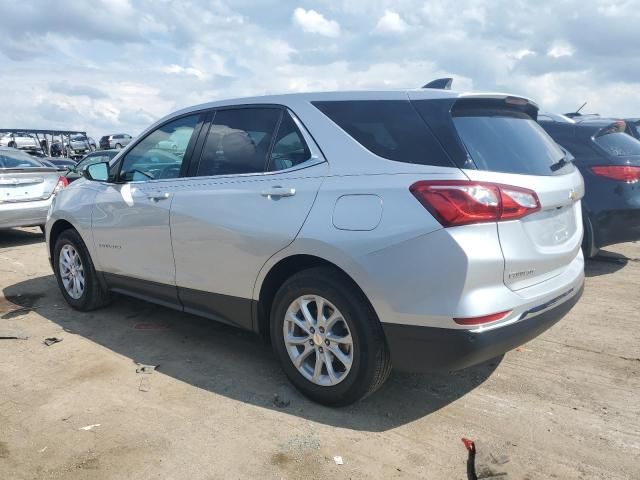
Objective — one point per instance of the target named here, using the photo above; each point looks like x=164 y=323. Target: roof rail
x=440 y=83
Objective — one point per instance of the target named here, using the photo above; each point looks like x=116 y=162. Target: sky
x=112 y=66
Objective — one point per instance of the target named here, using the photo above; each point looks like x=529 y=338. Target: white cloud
x=558 y=51
x=391 y=22
x=78 y=72
x=177 y=69
x=313 y=22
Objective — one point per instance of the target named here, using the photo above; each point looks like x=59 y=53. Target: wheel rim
x=318 y=340
x=71 y=271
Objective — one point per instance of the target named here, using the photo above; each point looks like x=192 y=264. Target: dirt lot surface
x=566 y=405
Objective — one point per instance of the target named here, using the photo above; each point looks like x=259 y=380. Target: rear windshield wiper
x=558 y=165
x=566 y=160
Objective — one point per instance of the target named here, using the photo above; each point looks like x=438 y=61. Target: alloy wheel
x=71 y=271
x=318 y=340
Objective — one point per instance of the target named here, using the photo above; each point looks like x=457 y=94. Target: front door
x=131 y=216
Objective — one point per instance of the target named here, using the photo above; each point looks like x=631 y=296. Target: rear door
x=502 y=143
x=248 y=196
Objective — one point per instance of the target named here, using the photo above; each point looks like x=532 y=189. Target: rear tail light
x=62 y=182
x=494 y=317
x=459 y=202
x=623 y=173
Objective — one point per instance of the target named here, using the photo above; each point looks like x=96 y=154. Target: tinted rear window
x=391 y=129
x=502 y=140
x=619 y=144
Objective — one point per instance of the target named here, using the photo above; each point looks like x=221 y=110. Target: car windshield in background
x=619 y=144
x=18 y=159
x=510 y=142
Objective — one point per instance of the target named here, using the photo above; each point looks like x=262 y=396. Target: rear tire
x=118 y=146
x=359 y=338
x=76 y=275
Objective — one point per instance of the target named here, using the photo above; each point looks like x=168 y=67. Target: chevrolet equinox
x=424 y=229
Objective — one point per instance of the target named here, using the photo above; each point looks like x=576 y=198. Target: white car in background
x=27 y=187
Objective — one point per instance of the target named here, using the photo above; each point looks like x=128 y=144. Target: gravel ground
x=566 y=405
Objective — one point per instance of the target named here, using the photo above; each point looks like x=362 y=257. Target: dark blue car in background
x=633 y=127
x=609 y=160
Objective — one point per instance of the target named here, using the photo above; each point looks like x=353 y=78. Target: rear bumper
x=420 y=349
x=24 y=214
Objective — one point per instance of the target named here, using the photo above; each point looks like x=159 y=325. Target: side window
x=238 y=141
x=160 y=154
x=391 y=129
x=289 y=148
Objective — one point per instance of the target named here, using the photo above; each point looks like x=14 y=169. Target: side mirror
x=98 y=172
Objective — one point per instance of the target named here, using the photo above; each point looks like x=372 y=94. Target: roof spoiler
x=440 y=83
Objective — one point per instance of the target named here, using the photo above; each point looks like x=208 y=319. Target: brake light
x=459 y=202
x=62 y=182
x=623 y=173
x=494 y=317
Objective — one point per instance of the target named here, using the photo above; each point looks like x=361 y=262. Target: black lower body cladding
x=424 y=349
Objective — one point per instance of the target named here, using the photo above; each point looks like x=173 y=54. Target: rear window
x=508 y=141
x=391 y=129
x=17 y=160
x=619 y=144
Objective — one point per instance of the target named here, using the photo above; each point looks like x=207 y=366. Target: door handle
x=156 y=197
x=278 y=191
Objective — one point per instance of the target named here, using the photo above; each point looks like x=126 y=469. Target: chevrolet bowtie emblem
x=573 y=195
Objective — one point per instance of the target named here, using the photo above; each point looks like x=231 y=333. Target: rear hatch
x=499 y=141
x=25 y=179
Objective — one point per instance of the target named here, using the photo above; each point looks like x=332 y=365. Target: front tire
x=76 y=275
x=328 y=338
x=118 y=146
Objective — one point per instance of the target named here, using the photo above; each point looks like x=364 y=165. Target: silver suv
x=422 y=229
x=117 y=141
